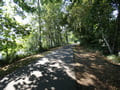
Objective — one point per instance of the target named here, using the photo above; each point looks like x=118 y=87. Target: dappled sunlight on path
x=52 y=72
x=93 y=70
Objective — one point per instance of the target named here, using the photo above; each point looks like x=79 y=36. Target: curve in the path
x=52 y=72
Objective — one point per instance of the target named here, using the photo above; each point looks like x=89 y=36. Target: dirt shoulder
x=94 y=71
x=7 y=69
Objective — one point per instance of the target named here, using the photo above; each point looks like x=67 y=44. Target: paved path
x=52 y=72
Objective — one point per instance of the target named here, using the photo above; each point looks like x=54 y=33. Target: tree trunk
x=118 y=31
x=106 y=42
x=39 y=21
x=66 y=36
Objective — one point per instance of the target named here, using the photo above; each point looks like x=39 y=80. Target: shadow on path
x=93 y=70
x=53 y=72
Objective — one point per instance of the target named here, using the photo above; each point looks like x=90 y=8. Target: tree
x=92 y=21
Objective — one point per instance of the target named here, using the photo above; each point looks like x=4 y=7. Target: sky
x=115 y=13
x=9 y=8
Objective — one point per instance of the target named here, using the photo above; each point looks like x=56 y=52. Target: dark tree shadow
x=96 y=71
x=53 y=72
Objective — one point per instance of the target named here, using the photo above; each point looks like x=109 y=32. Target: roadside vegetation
x=29 y=27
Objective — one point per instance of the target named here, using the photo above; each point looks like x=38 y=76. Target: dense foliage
x=43 y=30
x=95 y=25
x=31 y=26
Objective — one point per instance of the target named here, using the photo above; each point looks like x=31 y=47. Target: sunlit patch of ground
x=54 y=71
x=87 y=79
x=22 y=62
x=94 y=71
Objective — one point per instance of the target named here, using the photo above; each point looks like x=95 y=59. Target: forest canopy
x=31 y=26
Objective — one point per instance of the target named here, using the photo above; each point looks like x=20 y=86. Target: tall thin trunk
x=61 y=41
x=66 y=36
x=39 y=21
x=114 y=39
x=106 y=42
x=118 y=31
x=116 y=45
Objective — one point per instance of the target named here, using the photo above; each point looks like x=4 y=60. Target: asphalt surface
x=52 y=72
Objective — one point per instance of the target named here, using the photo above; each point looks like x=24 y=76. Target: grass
x=114 y=59
x=22 y=62
x=94 y=71
x=111 y=58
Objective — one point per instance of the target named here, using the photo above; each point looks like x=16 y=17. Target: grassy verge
x=94 y=71
x=114 y=59
x=22 y=62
